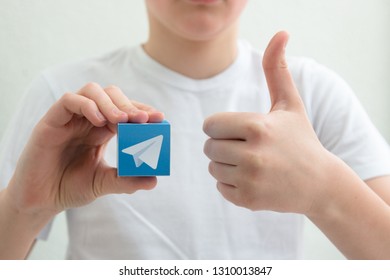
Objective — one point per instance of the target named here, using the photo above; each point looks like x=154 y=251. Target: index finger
x=137 y=112
x=155 y=116
x=232 y=125
x=62 y=111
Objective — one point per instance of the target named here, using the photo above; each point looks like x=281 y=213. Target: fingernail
x=123 y=117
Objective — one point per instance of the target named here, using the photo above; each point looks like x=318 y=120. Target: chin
x=202 y=29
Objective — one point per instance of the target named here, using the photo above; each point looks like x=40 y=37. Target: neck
x=197 y=59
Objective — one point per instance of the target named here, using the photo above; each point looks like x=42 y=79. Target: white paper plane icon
x=147 y=152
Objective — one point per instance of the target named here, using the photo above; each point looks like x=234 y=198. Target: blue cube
x=144 y=149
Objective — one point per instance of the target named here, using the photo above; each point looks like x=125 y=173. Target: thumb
x=284 y=95
x=110 y=183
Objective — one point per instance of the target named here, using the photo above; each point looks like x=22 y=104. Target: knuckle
x=254 y=128
x=241 y=200
x=123 y=107
x=87 y=104
x=91 y=86
x=214 y=170
x=211 y=167
x=66 y=97
x=112 y=88
x=247 y=200
x=122 y=102
x=207 y=147
x=208 y=125
x=253 y=159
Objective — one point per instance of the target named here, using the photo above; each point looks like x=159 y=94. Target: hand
x=62 y=165
x=273 y=161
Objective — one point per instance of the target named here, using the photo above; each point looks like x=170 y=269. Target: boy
x=264 y=152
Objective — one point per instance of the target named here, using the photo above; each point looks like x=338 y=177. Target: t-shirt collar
x=156 y=70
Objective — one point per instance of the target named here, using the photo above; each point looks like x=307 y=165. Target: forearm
x=18 y=229
x=352 y=216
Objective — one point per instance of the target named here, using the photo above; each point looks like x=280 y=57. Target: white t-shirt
x=185 y=217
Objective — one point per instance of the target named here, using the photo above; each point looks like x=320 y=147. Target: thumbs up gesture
x=272 y=161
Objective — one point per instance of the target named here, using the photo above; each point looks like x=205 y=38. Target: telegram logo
x=144 y=149
x=146 y=152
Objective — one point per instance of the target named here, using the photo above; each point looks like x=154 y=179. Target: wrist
x=32 y=219
x=351 y=214
x=333 y=189
x=340 y=191
x=18 y=229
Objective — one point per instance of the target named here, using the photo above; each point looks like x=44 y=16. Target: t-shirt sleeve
x=341 y=123
x=34 y=104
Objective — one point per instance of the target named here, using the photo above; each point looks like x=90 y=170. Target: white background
x=350 y=36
